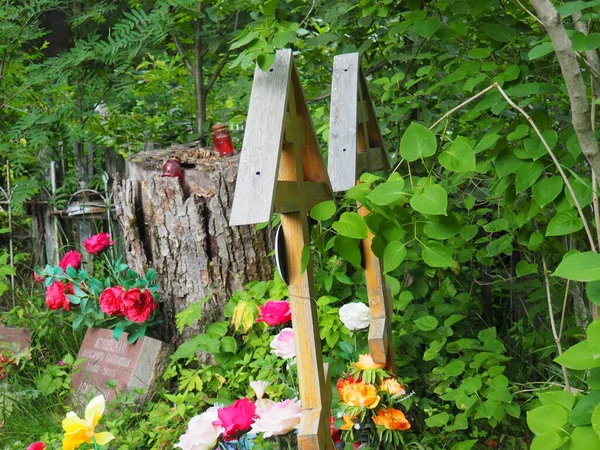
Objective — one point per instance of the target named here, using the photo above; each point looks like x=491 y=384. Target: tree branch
x=221 y=65
x=181 y=51
x=580 y=109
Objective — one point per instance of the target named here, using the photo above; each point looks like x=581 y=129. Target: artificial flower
x=275 y=312
x=284 y=344
x=97 y=243
x=36 y=277
x=36 y=446
x=343 y=383
x=56 y=297
x=335 y=432
x=392 y=419
x=349 y=422
x=393 y=387
x=360 y=394
x=201 y=433
x=79 y=431
x=278 y=419
x=111 y=301
x=236 y=419
x=355 y=316
x=138 y=305
x=365 y=362
x=72 y=258
x=260 y=387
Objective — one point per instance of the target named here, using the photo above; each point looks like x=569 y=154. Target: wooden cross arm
x=291 y=197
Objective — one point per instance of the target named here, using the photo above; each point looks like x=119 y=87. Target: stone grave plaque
x=105 y=359
x=12 y=335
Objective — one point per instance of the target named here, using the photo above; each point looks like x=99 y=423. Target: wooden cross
x=355 y=147
x=281 y=170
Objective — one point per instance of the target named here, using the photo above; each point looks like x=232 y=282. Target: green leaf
x=547 y=418
x=500 y=245
x=243 y=39
x=454 y=368
x=506 y=163
x=323 y=211
x=304 y=258
x=438 y=420
x=464 y=445
x=550 y=440
x=426 y=323
x=444 y=228
x=228 y=345
x=545 y=190
x=499 y=32
x=560 y=398
x=528 y=174
x=575 y=6
x=426 y=27
x=417 y=142
x=523 y=268
x=593 y=292
x=520 y=132
x=433 y=200
x=486 y=142
x=460 y=157
x=352 y=225
x=584 y=438
x=583 y=43
x=393 y=255
x=387 y=192
x=540 y=50
x=496 y=225
x=151 y=275
x=582 y=413
x=436 y=255
x=348 y=249
x=578 y=266
x=579 y=357
x=565 y=222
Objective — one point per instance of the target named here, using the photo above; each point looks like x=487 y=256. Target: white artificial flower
x=201 y=434
x=260 y=387
x=355 y=316
x=278 y=419
x=284 y=345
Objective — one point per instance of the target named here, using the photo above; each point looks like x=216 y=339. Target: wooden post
x=355 y=147
x=282 y=170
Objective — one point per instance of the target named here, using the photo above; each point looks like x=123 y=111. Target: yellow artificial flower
x=365 y=362
x=79 y=431
x=349 y=422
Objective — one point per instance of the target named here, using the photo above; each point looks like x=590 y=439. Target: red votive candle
x=222 y=140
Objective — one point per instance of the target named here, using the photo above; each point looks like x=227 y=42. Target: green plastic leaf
x=547 y=418
x=527 y=174
x=426 y=323
x=433 y=200
x=417 y=142
x=584 y=266
x=387 y=192
x=545 y=190
x=584 y=438
x=393 y=255
x=460 y=157
x=352 y=225
x=323 y=211
x=523 y=268
x=436 y=254
x=565 y=222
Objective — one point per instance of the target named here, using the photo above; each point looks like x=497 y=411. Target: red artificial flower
x=275 y=312
x=138 y=305
x=98 y=242
x=72 y=258
x=236 y=418
x=335 y=432
x=37 y=278
x=37 y=446
x=111 y=301
x=56 y=297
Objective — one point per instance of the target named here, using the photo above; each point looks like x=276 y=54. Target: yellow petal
x=94 y=411
x=71 y=441
x=103 y=438
x=72 y=423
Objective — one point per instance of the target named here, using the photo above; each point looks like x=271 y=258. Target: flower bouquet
x=369 y=412
x=116 y=297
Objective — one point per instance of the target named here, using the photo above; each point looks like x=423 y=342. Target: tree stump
x=181 y=229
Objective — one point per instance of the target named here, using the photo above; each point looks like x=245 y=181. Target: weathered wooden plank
x=343 y=122
x=259 y=160
x=309 y=430
x=291 y=197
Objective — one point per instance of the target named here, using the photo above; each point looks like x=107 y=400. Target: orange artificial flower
x=348 y=422
x=392 y=387
x=392 y=419
x=366 y=362
x=360 y=394
x=342 y=384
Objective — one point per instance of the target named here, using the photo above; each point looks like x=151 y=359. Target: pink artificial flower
x=278 y=419
x=37 y=278
x=56 y=297
x=236 y=419
x=111 y=301
x=37 y=446
x=284 y=344
x=201 y=433
x=97 y=243
x=72 y=258
x=275 y=312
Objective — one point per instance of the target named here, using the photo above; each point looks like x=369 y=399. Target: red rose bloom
x=111 y=301
x=98 y=242
x=138 y=305
x=56 y=297
x=72 y=258
x=236 y=418
x=37 y=446
x=275 y=312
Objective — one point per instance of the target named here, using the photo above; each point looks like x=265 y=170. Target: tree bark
x=181 y=229
x=580 y=109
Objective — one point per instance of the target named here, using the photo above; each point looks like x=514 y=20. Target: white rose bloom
x=355 y=316
x=201 y=434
